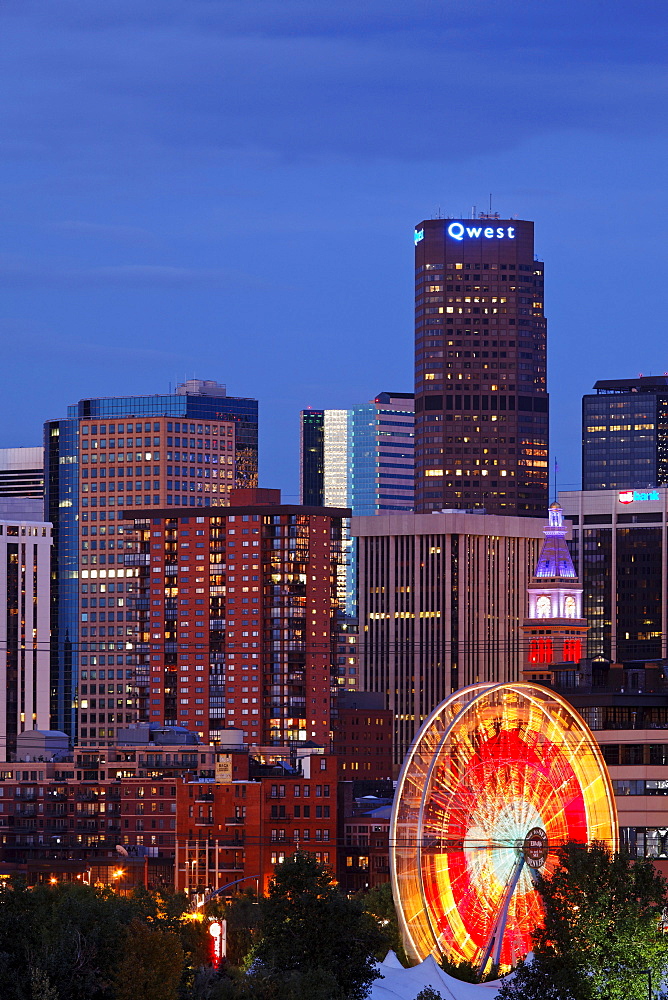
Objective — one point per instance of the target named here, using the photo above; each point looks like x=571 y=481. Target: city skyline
x=168 y=172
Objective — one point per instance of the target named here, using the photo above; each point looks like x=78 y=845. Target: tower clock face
x=543 y=606
x=569 y=607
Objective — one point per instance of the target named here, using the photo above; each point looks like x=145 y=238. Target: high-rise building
x=620 y=551
x=237 y=619
x=441 y=604
x=114 y=454
x=311 y=458
x=481 y=403
x=625 y=434
x=25 y=571
x=22 y=483
x=362 y=457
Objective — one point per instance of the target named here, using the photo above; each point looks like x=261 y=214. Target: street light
x=118 y=874
x=218 y=931
x=648 y=973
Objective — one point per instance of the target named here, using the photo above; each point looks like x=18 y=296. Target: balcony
x=137 y=559
x=204 y=821
x=232 y=820
x=204 y=797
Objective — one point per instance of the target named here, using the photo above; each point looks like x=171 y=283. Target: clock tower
x=554 y=630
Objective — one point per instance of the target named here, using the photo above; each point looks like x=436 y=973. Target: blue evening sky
x=228 y=189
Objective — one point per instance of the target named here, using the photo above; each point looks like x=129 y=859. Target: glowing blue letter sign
x=419 y=235
x=457 y=230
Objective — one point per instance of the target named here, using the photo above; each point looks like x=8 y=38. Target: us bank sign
x=633 y=496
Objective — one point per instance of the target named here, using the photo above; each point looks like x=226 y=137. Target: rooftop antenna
x=490 y=204
x=556 y=470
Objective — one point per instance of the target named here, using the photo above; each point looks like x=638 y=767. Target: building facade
x=186 y=449
x=22 y=483
x=625 y=434
x=239 y=828
x=441 y=604
x=360 y=458
x=619 y=549
x=481 y=403
x=311 y=458
x=25 y=567
x=236 y=617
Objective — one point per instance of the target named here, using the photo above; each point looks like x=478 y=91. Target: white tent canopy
x=405 y=984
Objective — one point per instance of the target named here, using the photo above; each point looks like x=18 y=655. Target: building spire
x=554 y=561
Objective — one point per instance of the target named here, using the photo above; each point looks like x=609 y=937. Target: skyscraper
x=311 y=457
x=24 y=630
x=481 y=403
x=113 y=454
x=361 y=457
x=441 y=603
x=619 y=550
x=625 y=434
x=22 y=483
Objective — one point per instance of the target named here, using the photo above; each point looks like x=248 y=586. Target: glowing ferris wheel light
x=498 y=777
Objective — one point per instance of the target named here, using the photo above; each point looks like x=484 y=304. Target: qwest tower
x=481 y=403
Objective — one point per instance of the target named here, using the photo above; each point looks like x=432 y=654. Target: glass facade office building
x=625 y=434
x=360 y=458
x=107 y=456
x=619 y=546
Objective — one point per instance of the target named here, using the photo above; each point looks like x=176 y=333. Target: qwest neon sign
x=633 y=496
x=457 y=230
x=419 y=235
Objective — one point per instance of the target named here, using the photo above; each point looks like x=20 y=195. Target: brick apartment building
x=237 y=618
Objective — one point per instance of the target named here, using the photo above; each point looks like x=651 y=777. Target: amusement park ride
x=499 y=777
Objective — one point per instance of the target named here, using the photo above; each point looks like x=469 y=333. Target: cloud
x=434 y=79
x=16 y=273
x=104 y=232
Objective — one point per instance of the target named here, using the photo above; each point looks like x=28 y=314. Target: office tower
x=311 y=457
x=481 y=403
x=237 y=618
x=625 y=434
x=114 y=454
x=554 y=630
x=381 y=436
x=24 y=630
x=441 y=603
x=361 y=457
x=619 y=549
x=22 y=483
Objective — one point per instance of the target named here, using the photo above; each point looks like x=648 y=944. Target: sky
x=227 y=189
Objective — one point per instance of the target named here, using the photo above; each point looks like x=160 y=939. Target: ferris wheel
x=499 y=776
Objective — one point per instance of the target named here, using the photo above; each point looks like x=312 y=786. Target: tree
x=428 y=994
x=467 y=972
x=599 y=933
x=379 y=902
x=308 y=925
x=151 y=966
x=243 y=922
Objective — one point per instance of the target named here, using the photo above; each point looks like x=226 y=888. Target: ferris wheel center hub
x=535 y=847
